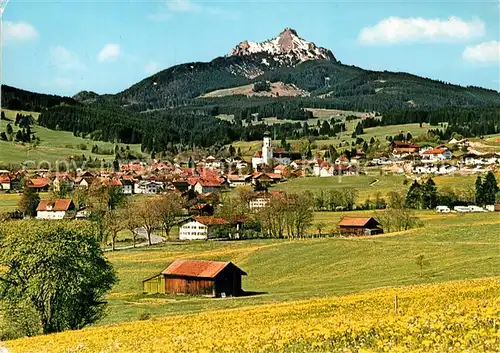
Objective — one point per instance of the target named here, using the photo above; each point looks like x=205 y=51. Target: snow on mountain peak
x=287 y=48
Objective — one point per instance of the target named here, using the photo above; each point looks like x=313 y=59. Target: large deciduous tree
x=168 y=208
x=29 y=202
x=53 y=274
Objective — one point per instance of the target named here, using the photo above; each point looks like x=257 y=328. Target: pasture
x=369 y=185
x=456 y=247
x=248 y=148
x=54 y=145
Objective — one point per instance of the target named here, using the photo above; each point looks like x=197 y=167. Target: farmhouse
x=360 y=226
x=239 y=180
x=199 y=277
x=4 y=182
x=403 y=148
x=204 y=186
x=200 y=228
x=57 y=209
x=437 y=154
x=39 y=184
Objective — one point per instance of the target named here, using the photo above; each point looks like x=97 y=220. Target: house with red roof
x=56 y=209
x=204 y=186
x=39 y=184
x=5 y=182
x=437 y=154
x=200 y=227
x=197 y=277
x=400 y=148
x=358 y=226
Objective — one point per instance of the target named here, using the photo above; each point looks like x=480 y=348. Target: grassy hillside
x=248 y=148
x=452 y=317
x=368 y=186
x=54 y=145
x=456 y=246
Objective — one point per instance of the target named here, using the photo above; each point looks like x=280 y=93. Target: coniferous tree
x=429 y=194
x=414 y=196
x=490 y=189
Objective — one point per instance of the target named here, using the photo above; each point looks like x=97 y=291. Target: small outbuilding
x=360 y=226
x=197 y=277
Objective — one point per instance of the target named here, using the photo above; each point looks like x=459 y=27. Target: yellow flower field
x=462 y=316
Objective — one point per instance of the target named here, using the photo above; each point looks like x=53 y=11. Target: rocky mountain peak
x=288 y=48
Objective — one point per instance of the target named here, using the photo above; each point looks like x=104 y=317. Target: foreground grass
x=452 y=317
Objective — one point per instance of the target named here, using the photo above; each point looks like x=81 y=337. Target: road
x=141 y=232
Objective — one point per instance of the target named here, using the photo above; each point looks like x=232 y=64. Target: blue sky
x=106 y=46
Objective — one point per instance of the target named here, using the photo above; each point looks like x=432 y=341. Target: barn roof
x=356 y=222
x=38 y=183
x=56 y=205
x=210 y=220
x=197 y=268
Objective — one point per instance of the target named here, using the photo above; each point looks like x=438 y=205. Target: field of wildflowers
x=450 y=317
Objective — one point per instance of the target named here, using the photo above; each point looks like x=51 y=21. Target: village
x=210 y=177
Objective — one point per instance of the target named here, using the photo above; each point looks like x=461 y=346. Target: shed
x=360 y=226
x=198 y=277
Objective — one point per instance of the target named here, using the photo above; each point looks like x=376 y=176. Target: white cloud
x=182 y=6
x=110 y=52
x=63 y=82
x=66 y=60
x=151 y=68
x=18 y=31
x=397 y=30
x=170 y=7
x=483 y=52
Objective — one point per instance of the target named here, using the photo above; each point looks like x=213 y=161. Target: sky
x=63 y=47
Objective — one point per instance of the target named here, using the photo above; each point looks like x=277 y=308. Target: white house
x=323 y=169
x=239 y=180
x=261 y=199
x=436 y=154
x=198 y=228
x=193 y=230
x=5 y=182
x=147 y=187
x=128 y=186
x=206 y=186
x=57 y=209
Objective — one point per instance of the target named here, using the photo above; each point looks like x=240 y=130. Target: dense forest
x=18 y=99
x=331 y=84
x=160 y=130
x=172 y=130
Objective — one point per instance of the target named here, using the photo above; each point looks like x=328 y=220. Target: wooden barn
x=360 y=226
x=198 y=277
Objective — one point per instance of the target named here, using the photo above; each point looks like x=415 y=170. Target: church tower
x=267 y=149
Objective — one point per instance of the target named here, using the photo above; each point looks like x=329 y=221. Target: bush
x=262 y=86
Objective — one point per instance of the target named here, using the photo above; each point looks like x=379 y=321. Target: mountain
x=289 y=60
x=292 y=60
x=86 y=97
x=287 y=49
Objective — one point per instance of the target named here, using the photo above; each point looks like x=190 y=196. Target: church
x=268 y=154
